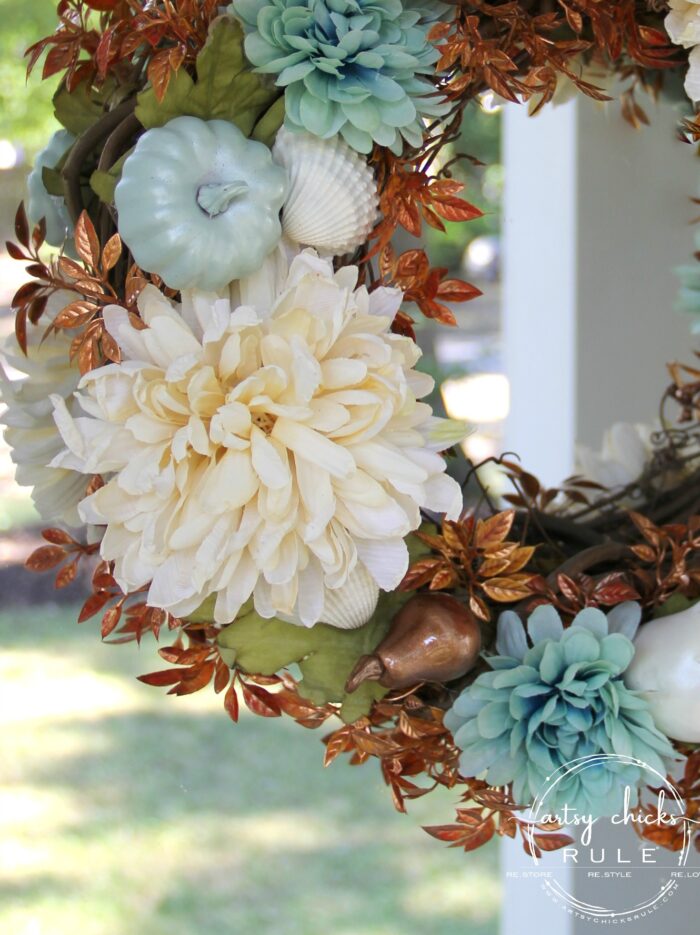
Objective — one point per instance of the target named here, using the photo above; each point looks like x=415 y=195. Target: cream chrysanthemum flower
x=30 y=428
x=683 y=26
x=267 y=443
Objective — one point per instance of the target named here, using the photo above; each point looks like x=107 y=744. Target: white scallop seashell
x=353 y=605
x=332 y=203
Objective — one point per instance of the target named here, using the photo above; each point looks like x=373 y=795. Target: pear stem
x=368 y=669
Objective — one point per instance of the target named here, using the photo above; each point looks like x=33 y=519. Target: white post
x=596 y=217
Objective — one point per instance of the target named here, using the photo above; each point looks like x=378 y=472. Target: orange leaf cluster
x=493 y=811
x=573 y=593
x=671 y=551
x=127 y=35
x=409 y=196
x=200 y=663
x=89 y=281
x=520 y=50
x=533 y=496
x=408 y=738
x=672 y=835
x=425 y=285
x=64 y=551
x=476 y=556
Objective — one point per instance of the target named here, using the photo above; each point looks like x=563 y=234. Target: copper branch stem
x=85 y=145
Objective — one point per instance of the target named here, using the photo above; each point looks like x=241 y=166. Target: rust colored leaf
x=45 y=558
x=15 y=252
x=260 y=701
x=21 y=329
x=87 y=243
x=420 y=573
x=507 y=590
x=22 y=226
x=111 y=253
x=163 y=678
x=568 y=588
x=25 y=293
x=614 y=590
x=647 y=528
x=111 y=620
x=222 y=676
x=445 y=577
x=552 y=842
x=57 y=536
x=93 y=605
x=645 y=552
x=231 y=702
x=491 y=532
x=68 y=573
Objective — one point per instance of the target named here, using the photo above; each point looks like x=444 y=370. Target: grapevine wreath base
x=222 y=415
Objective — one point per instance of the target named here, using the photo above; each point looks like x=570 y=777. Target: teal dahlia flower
x=353 y=67
x=549 y=704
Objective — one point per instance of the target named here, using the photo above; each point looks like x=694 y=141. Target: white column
x=596 y=217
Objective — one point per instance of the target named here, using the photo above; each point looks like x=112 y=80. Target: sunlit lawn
x=124 y=812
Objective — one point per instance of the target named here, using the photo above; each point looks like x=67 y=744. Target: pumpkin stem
x=214 y=199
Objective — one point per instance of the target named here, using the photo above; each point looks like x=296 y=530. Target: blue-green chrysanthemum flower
x=689 y=293
x=353 y=67
x=549 y=704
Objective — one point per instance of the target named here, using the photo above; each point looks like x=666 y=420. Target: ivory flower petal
x=266 y=449
x=683 y=27
x=30 y=430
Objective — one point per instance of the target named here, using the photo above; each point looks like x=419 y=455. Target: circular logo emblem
x=608 y=872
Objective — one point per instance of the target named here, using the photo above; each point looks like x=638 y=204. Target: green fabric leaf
x=104 y=183
x=53 y=182
x=226 y=89
x=266 y=128
x=78 y=110
x=326 y=655
x=674 y=605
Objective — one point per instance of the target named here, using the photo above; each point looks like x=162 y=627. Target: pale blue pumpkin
x=199 y=203
x=41 y=204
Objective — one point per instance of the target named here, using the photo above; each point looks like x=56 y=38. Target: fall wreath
x=222 y=396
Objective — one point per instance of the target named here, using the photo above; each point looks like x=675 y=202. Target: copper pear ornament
x=433 y=638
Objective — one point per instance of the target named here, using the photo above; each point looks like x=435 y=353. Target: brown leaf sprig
x=671 y=835
x=475 y=555
x=669 y=556
x=492 y=811
x=407 y=736
x=97 y=38
x=425 y=285
x=63 y=552
x=88 y=280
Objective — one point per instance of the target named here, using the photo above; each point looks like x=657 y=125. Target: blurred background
x=123 y=811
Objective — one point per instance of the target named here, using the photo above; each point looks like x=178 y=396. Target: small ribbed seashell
x=353 y=605
x=332 y=202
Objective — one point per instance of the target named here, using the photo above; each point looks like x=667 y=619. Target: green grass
x=124 y=812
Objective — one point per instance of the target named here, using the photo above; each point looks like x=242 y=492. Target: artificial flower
x=626 y=451
x=683 y=26
x=548 y=704
x=354 y=67
x=262 y=442
x=31 y=431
